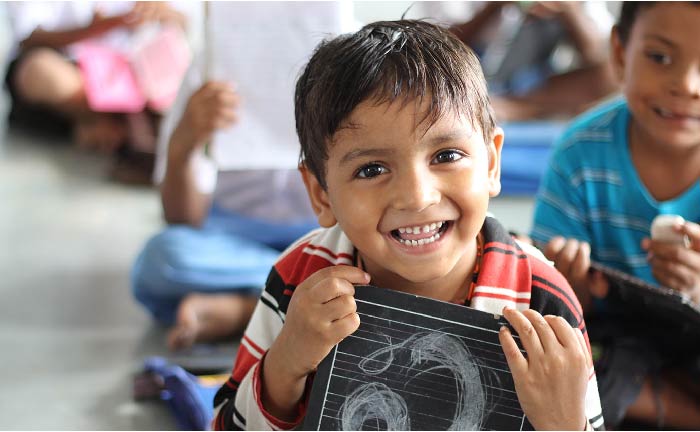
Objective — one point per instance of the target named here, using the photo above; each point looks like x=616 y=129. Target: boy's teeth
x=421 y=229
x=420 y=242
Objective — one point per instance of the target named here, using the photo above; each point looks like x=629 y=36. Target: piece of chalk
x=662 y=229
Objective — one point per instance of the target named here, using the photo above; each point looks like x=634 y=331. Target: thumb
x=692 y=230
x=553 y=247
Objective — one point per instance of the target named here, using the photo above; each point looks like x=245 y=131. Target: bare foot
x=210 y=317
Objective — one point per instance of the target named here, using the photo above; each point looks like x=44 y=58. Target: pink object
x=110 y=84
x=160 y=64
x=150 y=75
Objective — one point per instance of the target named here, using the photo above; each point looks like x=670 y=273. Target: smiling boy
x=400 y=155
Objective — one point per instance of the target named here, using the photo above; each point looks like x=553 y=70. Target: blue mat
x=525 y=154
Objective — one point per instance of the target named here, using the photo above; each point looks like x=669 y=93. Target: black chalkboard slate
x=661 y=304
x=416 y=364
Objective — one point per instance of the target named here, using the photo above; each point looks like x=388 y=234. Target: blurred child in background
x=202 y=275
x=46 y=84
x=617 y=168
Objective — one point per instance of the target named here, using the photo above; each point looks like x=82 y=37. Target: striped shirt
x=510 y=274
x=591 y=191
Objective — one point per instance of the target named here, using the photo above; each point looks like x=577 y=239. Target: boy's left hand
x=674 y=265
x=551 y=382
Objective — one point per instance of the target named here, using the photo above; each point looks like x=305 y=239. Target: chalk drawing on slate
x=416 y=364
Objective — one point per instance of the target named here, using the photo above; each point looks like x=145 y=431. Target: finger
x=526 y=332
x=349 y=273
x=562 y=330
x=599 y=285
x=665 y=250
x=228 y=114
x=339 y=307
x=220 y=97
x=211 y=88
x=551 y=250
x=672 y=275
x=566 y=257
x=222 y=123
x=345 y=326
x=548 y=338
x=682 y=256
x=224 y=96
x=223 y=118
x=584 y=347
x=581 y=262
x=692 y=230
x=332 y=288
x=517 y=363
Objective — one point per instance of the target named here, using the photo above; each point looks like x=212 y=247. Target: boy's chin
x=420 y=274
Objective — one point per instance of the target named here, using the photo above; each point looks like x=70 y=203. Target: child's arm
x=210 y=108
x=552 y=381
x=322 y=312
x=279 y=350
x=59 y=39
x=675 y=265
x=142 y=12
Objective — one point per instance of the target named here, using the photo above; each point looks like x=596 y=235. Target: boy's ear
x=617 y=53
x=494 y=151
x=318 y=197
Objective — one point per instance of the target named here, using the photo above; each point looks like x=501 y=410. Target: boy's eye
x=659 y=58
x=447 y=156
x=370 y=170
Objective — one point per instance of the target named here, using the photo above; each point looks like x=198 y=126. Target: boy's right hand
x=210 y=108
x=573 y=260
x=321 y=313
x=551 y=382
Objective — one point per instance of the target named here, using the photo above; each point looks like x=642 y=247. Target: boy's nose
x=688 y=81
x=415 y=190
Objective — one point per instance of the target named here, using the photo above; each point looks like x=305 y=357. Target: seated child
x=400 y=155
x=44 y=80
x=614 y=170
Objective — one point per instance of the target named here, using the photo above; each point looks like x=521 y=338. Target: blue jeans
x=229 y=254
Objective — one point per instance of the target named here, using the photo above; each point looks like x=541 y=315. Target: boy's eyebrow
x=355 y=154
x=455 y=135
x=432 y=142
x=661 y=39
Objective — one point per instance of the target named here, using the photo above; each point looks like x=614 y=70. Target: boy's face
x=660 y=72
x=412 y=201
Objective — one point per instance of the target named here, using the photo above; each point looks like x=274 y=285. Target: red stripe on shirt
x=296 y=267
x=244 y=361
x=561 y=296
x=502 y=297
x=255 y=346
x=329 y=252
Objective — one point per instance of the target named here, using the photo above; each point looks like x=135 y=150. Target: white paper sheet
x=261 y=47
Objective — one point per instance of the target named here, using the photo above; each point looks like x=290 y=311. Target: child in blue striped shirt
x=614 y=170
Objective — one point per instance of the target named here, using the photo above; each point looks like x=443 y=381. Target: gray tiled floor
x=70 y=335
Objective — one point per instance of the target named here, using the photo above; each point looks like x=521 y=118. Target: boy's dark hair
x=386 y=61
x=628 y=15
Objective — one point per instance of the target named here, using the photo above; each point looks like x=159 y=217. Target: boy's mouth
x=668 y=114
x=422 y=234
